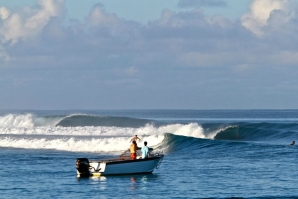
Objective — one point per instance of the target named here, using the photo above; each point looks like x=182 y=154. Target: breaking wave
x=28 y=120
x=75 y=120
x=107 y=138
x=92 y=133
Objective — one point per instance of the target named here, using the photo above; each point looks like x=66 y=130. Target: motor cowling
x=82 y=166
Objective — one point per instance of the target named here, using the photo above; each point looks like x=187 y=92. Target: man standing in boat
x=135 y=138
x=145 y=150
x=133 y=150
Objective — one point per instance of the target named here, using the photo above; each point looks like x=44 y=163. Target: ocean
x=208 y=153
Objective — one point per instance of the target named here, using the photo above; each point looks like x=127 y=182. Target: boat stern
x=82 y=166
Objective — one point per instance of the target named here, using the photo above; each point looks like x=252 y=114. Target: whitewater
x=29 y=131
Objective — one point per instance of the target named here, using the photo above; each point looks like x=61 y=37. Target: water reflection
x=135 y=182
x=140 y=182
x=99 y=181
x=98 y=178
x=102 y=182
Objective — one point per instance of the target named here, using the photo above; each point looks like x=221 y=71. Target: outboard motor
x=82 y=165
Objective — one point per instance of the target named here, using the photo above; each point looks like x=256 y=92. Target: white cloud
x=4 y=13
x=99 y=17
x=260 y=11
x=176 y=39
x=28 y=23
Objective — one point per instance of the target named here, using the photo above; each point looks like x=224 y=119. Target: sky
x=149 y=54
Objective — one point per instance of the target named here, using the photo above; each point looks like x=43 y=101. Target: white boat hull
x=119 y=166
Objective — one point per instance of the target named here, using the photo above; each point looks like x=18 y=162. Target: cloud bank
x=202 y=3
x=28 y=23
x=202 y=57
x=194 y=39
x=268 y=12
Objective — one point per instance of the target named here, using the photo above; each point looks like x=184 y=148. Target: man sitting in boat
x=133 y=150
x=145 y=150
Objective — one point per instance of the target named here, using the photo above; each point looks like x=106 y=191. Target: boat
x=122 y=165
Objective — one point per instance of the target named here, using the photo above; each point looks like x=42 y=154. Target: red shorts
x=133 y=156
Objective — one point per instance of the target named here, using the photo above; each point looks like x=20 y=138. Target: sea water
x=208 y=153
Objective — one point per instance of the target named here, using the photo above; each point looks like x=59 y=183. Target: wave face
x=262 y=131
x=95 y=133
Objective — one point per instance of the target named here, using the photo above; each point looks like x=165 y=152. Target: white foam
x=28 y=120
x=191 y=130
x=91 y=139
x=78 y=145
x=13 y=120
x=75 y=131
x=30 y=124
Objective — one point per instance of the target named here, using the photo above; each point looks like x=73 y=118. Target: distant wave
x=75 y=120
x=27 y=120
x=173 y=142
x=93 y=120
x=12 y=120
x=259 y=132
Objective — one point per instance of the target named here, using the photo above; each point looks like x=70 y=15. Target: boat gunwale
x=122 y=160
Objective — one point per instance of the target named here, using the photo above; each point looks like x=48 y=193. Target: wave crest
x=13 y=120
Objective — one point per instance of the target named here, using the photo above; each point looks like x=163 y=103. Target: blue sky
x=170 y=54
x=141 y=11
